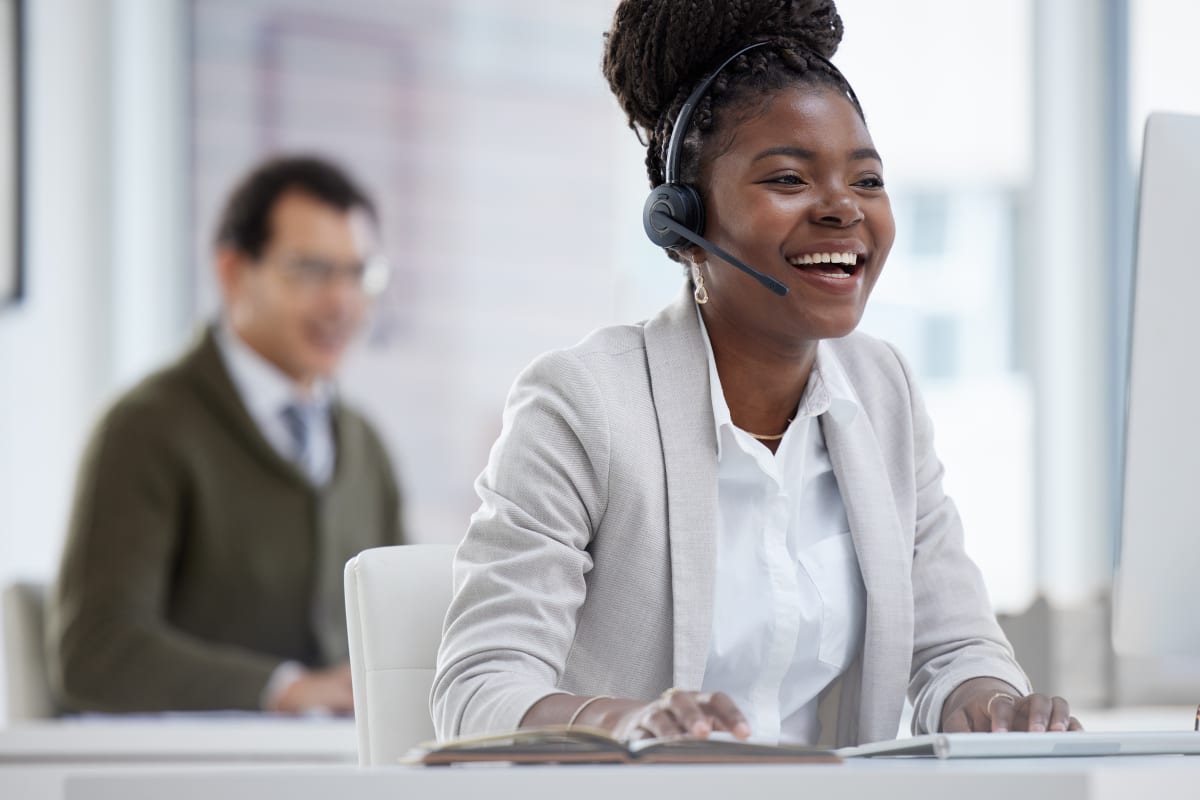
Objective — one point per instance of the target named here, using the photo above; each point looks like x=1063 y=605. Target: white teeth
x=825 y=258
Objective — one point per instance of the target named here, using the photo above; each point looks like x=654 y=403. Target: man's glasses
x=316 y=274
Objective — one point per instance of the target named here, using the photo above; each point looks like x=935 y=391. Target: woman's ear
x=694 y=255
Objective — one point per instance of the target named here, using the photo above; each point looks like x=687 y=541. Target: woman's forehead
x=800 y=120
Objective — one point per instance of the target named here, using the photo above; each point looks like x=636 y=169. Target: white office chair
x=28 y=687
x=396 y=601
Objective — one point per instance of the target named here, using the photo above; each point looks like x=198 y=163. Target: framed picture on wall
x=12 y=276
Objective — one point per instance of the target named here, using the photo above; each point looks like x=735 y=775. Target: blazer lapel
x=679 y=380
x=209 y=375
x=862 y=478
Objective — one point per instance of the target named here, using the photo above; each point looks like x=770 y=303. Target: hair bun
x=658 y=47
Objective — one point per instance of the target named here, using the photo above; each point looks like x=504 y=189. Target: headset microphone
x=673 y=216
x=663 y=219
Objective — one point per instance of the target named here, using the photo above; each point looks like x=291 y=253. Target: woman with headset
x=730 y=517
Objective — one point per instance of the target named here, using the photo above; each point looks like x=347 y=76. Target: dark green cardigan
x=198 y=558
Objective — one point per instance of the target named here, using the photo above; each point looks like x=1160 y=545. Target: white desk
x=909 y=779
x=215 y=738
x=37 y=758
x=183 y=758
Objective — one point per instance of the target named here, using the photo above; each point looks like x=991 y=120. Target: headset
x=674 y=212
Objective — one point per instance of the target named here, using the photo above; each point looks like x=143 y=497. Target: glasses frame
x=311 y=274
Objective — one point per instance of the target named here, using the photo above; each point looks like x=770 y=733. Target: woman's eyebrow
x=861 y=154
x=866 y=154
x=786 y=150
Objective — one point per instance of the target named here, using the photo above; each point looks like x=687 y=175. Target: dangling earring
x=701 y=294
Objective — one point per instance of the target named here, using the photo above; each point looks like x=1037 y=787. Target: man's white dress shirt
x=268 y=394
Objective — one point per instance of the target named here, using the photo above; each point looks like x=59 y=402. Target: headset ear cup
x=681 y=203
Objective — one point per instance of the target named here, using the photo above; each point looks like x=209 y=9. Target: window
x=945 y=87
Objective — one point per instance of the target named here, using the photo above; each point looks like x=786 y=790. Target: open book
x=560 y=745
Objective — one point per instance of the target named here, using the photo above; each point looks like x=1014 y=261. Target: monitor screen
x=1156 y=593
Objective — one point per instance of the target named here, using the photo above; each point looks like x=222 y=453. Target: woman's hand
x=679 y=713
x=991 y=705
x=675 y=713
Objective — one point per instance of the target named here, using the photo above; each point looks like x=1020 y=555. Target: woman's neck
x=762 y=384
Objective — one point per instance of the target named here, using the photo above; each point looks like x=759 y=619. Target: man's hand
x=318 y=690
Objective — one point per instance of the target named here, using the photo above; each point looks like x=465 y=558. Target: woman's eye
x=787 y=180
x=870 y=182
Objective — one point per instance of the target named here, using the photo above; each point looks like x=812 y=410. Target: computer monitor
x=1156 y=598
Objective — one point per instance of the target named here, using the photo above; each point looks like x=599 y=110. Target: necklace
x=774 y=438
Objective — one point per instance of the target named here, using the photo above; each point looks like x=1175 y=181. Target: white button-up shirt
x=789 y=602
x=266 y=391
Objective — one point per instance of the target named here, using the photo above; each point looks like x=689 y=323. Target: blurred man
x=219 y=500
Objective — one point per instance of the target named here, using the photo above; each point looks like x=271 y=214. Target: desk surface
x=190 y=757
x=895 y=779
x=181 y=738
x=38 y=758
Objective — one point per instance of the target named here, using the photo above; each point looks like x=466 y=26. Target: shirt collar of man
x=265 y=389
x=828 y=389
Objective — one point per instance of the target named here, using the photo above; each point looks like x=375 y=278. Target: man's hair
x=246 y=219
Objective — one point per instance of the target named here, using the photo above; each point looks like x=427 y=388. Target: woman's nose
x=838 y=205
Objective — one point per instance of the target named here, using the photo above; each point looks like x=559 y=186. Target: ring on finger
x=997 y=696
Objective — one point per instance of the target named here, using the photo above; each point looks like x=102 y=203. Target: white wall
x=83 y=322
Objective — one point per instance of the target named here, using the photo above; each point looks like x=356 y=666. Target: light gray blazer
x=589 y=565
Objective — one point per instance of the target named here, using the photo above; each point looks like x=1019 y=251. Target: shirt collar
x=265 y=389
x=843 y=401
x=828 y=390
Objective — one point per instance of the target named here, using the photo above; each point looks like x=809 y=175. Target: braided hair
x=659 y=50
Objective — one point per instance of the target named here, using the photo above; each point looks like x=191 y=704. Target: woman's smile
x=835 y=266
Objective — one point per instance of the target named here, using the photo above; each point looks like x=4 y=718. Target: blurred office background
x=511 y=191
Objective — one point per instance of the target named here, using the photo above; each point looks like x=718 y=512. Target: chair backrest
x=396 y=601
x=28 y=687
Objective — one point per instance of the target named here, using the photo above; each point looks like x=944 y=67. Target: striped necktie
x=296 y=420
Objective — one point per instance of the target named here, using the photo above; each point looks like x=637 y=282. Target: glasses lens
x=310 y=271
x=376 y=275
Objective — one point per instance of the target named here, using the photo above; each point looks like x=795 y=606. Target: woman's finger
x=1037 y=709
x=725 y=713
x=1060 y=713
x=661 y=723
x=639 y=732
x=1000 y=709
x=688 y=713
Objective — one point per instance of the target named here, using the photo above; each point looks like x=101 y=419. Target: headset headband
x=684 y=120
